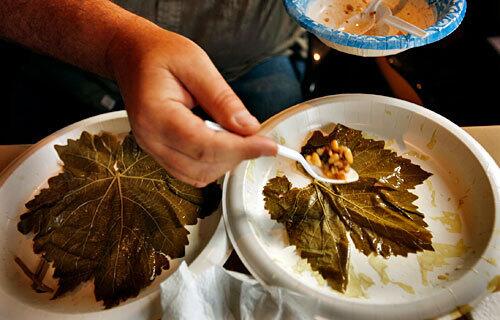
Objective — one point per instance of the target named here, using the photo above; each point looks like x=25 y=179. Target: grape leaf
x=311 y=226
x=113 y=215
x=377 y=211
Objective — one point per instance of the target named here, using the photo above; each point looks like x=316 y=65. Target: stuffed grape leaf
x=377 y=211
x=113 y=215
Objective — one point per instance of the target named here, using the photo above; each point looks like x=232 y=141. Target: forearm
x=77 y=31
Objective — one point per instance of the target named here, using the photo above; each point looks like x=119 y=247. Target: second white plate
x=461 y=203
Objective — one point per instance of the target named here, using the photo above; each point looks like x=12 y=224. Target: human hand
x=162 y=76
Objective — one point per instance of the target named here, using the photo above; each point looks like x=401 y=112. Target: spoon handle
x=372 y=6
x=214 y=126
x=401 y=24
x=290 y=153
x=282 y=150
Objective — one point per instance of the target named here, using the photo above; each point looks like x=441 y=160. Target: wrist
x=126 y=47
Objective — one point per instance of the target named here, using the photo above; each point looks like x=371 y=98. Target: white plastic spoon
x=384 y=15
x=286 y=152
x=361 y=22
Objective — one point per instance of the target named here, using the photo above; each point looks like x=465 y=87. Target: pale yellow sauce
x=428 y=260
x=432 y=191
x=432 y=141
x=494 y=284
x=491 y=261
x=413 y=153
x=379 y=265
x=302 y=266
x=358 y=283
x=451 y=220
x=250 y=171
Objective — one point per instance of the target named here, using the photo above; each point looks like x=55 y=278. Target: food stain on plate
x=491 y=261
x=494 y=284
x=250 y=171
x=389 y=143
x=282 y=141
x=428 y=260
x=358 y=284
x=379 y=265
x=451 y=221
x=416 y=154
x=279 y=138
x=428 y=182
x=461 y=311
x=303 y=266
x=280 y=172
x=461 y=200
x=443 y=276
x=432 y=142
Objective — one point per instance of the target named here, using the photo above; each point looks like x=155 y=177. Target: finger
x=186 y=133
x=155 y=150
x=200 y=173
x=236 y=148
x=216 y=97
x=180 y=176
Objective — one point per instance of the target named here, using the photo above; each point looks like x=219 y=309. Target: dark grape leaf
x=377 y=211
x=113 y=215
x=312 y=226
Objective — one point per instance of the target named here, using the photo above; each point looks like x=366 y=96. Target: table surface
x=487 y=136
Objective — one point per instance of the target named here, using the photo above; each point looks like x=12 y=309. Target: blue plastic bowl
x=450 y=14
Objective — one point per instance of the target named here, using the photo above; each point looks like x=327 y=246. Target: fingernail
x=245 y=119
x=270 y=149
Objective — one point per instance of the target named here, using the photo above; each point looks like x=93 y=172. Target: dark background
x=458 y=77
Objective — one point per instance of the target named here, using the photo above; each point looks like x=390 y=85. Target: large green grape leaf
x=377 y=211
x=113 y=215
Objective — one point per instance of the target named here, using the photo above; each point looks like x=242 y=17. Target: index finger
x=187 y=133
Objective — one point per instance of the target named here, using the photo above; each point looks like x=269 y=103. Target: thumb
x=206 y=84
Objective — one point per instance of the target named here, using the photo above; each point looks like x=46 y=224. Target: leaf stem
x=36 y=277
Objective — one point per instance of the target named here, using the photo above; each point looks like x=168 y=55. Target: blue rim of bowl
x=441 y=29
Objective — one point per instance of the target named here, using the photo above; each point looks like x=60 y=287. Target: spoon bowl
x=361 y=22
x=351 y=175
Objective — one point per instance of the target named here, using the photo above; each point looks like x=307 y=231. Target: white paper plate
x=208 y=243
x=465 y=183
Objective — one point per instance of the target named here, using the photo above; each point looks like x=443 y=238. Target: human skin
x=162 y=76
